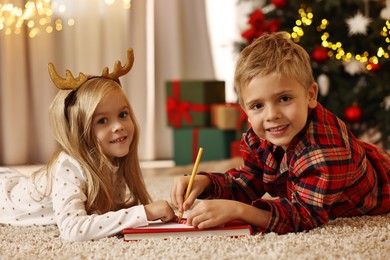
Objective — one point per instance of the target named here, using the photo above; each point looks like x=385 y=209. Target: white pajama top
x=21 y=203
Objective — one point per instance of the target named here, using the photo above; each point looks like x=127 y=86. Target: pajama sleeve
x=244 y=183
x=69 y=197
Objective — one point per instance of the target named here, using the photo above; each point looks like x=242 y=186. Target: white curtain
x=182 y=52
x=170 y=41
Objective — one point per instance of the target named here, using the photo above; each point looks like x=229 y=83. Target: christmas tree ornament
x=268 y=8
x=320 y=54
x=358 y=24
x=353 y=113
x=354 y=67
x=373 y=66
x=258 y=25
x=386 y=103
x=273 y=25
x=323 y=84
x=360 y=84
x=279 y=3
x=256 y=19
x=385 y=12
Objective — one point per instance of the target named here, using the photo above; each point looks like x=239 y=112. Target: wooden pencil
x=194 y=170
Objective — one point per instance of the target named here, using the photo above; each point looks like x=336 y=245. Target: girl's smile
x=119 y=140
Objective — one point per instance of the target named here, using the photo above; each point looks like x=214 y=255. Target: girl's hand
x=180 y=184
x=159 y=210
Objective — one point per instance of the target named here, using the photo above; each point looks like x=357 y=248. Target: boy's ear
x=313 y=93
x=243 y=108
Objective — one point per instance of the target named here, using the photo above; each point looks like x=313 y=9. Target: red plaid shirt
x=325 y=173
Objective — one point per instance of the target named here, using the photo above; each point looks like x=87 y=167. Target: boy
x=296 y=150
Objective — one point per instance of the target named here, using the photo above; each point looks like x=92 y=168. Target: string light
x=336 y=49
x=37 y=16
x=306 y=19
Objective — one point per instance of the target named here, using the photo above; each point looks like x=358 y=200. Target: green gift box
x=189 y=101
x=215 y=142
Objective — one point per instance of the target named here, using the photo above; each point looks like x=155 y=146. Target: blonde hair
x=272 y=53
x=76 y=138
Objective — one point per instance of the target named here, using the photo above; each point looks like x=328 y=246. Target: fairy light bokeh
x=336 y=49
x=38 y=16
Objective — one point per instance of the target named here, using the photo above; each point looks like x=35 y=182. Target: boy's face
x=112 y=125
x=277 y=107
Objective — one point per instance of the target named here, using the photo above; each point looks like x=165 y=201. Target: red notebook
x=162 y=230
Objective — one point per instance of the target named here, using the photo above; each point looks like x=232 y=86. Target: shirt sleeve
x=69 y=197
x=244 y=183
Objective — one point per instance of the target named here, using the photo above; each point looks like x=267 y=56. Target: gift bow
x=178 y=109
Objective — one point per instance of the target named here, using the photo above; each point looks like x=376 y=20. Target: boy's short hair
x=273 y=53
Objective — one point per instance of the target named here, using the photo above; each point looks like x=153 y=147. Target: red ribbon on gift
x=178 y=109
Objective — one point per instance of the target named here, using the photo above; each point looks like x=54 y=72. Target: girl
x=92 y=187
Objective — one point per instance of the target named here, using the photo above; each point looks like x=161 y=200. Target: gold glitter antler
x=73 y=83
x=118 y=69
x=66 y=83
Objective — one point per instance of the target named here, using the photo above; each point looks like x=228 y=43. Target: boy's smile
x=277 y=107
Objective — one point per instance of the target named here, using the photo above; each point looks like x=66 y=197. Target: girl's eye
x=123 y=114
x=102 y=121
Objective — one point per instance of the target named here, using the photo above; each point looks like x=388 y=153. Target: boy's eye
x=123 y=114
x=285 y=99
x=256 y=106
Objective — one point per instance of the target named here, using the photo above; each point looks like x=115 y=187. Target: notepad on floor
x=162 y=230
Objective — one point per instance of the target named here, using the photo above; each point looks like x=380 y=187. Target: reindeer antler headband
x=73 y=83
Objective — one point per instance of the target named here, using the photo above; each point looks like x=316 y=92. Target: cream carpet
x=350 y=238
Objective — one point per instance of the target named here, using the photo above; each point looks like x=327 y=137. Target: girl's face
x=112 y=125
x=277 y=107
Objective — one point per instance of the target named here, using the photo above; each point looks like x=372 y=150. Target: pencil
x=192 y=179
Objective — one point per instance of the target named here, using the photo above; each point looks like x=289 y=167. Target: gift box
x=225 y=116
x=229 y=116
x=189 y=101
x=215 y=142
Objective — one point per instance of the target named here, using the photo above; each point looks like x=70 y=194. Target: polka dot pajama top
x=21 y=203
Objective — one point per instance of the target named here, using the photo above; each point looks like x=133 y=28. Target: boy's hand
x=212 y=213
x=180 y=184
x=159 y=210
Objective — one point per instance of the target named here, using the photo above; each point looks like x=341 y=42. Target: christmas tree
x=349 y=44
